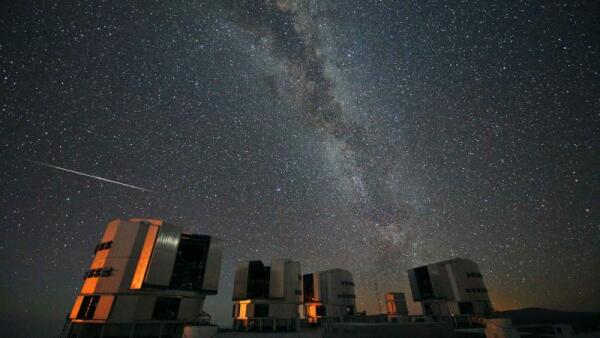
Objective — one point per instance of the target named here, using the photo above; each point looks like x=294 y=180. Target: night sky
x=373 y=136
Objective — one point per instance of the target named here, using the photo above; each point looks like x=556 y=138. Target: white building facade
x=450 y=288
x=328 y=294
x=266 y=298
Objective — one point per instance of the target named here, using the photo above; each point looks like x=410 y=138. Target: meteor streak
x=88 y=175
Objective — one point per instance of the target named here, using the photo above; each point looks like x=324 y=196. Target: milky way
x=291 y=33
x=367 y=135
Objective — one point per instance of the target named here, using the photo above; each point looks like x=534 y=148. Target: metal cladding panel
x=414 y=286
x=144 y=257
x=292 y=282
x=163 y=255
x=123 y=308
x=339 y=291
x=212 y=272
x=327 y=286
x=250 y=310
x=110 y=230
x=324 y=286
x=144 y=308
x=317 y=286
x=453 y=285
x=119 y=257
x=240 y=286
x=189 y=308
x=459 y=270
x=76 y=307
x=124 y=240
x=283 y=310
x=440 y=281
x=277 y=279
x=103 y=308
x=89 y=285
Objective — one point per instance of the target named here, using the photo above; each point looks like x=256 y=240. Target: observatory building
x=395 y=304
x=147 y=279
x=327 y=294
x=266 y=298
x=450 y=288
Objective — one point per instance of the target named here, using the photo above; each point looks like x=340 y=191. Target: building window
x=166 y=308
x=261 y=310
x=102 y=272
x=476 y=290
x=103 y=246
x=106 y=272
x=88 y=307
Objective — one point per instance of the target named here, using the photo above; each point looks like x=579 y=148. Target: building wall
x=125 y=239
x=336 y=287
x=282 y=298
x=396 y=304
x=332 y=296
x=127 y=252
x=457 y=285
x=163 y=255
x=285 y=280
x=463 y=273
x=212 y=273
x=240 y=284
x=441 y=281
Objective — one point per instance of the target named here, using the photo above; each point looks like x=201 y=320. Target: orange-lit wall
x=243 y=314
x=144 y=260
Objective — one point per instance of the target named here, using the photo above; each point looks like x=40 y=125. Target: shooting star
x=88 y=175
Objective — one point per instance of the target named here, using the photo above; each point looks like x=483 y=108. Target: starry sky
x=373 y=136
